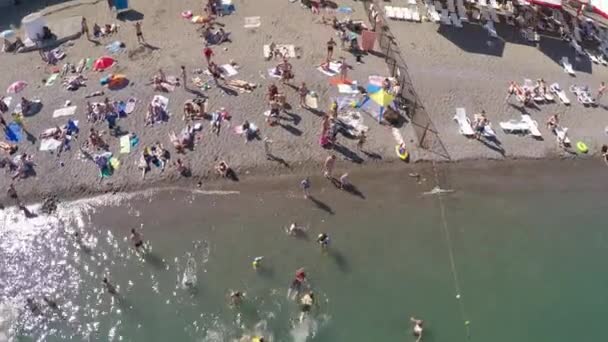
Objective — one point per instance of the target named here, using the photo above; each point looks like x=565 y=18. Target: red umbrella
x=102 y=63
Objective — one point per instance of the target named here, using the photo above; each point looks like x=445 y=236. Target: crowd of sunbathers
x=528 y=95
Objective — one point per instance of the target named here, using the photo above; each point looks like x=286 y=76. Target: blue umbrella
x=7 y=34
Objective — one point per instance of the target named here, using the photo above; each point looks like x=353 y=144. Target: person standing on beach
x=184 y=78
x=140 y=35
x=328 y=167
x=343 y=69
x=305 y=185
x=303 y=91
x=84 y=28
x=330 y=48
x=207 y=52
x=600 y=91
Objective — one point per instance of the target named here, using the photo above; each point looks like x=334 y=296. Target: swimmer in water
x=323 y=240
x=306 y=303
x=51 y=303
x=32 y=306
x=257 y=262
x=109 y=287
x=294 y=230
x=236 y=297
x=137 y=239
x=417 y=327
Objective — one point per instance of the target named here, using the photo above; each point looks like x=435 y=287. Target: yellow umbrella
x=382 y=98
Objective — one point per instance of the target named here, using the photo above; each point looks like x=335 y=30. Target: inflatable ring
x=403 y=155
x=582 y=147
x=186 y=14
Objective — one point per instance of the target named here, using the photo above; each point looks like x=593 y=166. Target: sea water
x=514 y=253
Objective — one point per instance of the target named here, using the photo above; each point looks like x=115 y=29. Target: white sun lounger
x=562 y=135
x=593 y=58
x=411 y=2
x=390 y=12
x=433 y=15
x=567 y=66
x=532 y=124
x=445 y=18
x=514 y=126
x=407 y=14
x=451 y=6
x=601 y=59
x=493 y=15
x=555 y=89
x=464 y=123
x=415 y=14
x=455 y=21
x=462 y=13
x=483 y=3
x=489 y=26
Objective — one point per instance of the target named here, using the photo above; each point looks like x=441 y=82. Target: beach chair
x=489 y=26
x=483 y=3
x=438 y=6
x=562 y=135
x=464 y=124
x=390 y=12
x=445 y=18
x=460 y=3
x=484 y=14
x=494 y=4
x=462 y=13
x=567 y=66
x=577 y=47
x=476 y=14
x=433 y=15
x=493 y=15
x=451 y=7
x=415 y=14
x=407 y=14
x=555 y=89
x=533 y=125
x=582 y=95
x=412 y=2
x=593 y=58
x=601 y=59
x=455 y=21
x=514 y=126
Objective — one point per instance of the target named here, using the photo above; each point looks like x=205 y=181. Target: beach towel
x=49 y=144
x=125 y=144
x=272 y=73
x=334 y=69
x=7 y=100
x=348 y=88
x=115 y=47
x=114 y=163
x=51 y=80
x=287 y=50
x=228 y=70
x=163 y=101
x=368 y=39
x=252 y=22
x=13 y=132
x=88 y=64
x=67 y=111
x=311 y=101
x=130 y=107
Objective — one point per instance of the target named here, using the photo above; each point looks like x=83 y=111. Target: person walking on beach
x=305 y=186
x=84 y=28
x=330 y=48
x=303 y=91
x=328 y=167
x=417 y=330
x=207 y=52
x=600 y=91
x=140 y=35
x=343 y=69
x=184 y=78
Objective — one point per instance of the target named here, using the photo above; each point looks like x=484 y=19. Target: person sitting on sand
x=8 y=148
x=417 y=330
x=552 y=122
x=144 y=162
x=190 y=111
x=161 y=154
x=181 y=168
x=23 y=166
x=95 y=140
x=222 y=168
x=273 y=91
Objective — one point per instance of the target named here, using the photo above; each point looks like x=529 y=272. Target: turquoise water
x=523 y=247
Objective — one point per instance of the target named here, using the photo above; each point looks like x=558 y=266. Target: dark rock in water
x=49 y=205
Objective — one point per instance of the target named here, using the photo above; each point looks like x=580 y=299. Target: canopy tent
x=557 y=4
x=600 y=7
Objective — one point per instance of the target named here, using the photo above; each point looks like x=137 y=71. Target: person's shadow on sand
x=321 y=205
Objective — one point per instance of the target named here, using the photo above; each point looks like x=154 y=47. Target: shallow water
x=523 y=247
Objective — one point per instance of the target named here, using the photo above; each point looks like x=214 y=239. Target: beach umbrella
x=382 y=98
x=102 y=63
x=16 y=87
x=7 y=34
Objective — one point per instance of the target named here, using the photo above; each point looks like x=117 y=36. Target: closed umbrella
x=102 y=63
x=16 y=87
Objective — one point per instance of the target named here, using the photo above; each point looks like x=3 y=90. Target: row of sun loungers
x=403 y=13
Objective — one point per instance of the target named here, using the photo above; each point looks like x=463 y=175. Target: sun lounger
x=462 y=13
x=532 y=124
x=415 y=13
x=455 y=21
x=489 y=26
x=483 y=3
x=433 y=15
x=445 y=18
x=438 y=6
x=464 y=123
x=494 y=4
x=567 y=66
x=555 y=89
x=562 y=135
x=411 y=2
x=601 y=59
x=406 y=13
x=286 y=49
x=485 y=15
x=593 y=58
x=390 y=12
x=451 y=7
x=493 y=15
x=577 y=47
x=460 y=3
x=514 y=126
x=582 y=95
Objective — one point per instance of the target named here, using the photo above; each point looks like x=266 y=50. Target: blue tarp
x=121 y=4
x=13 y=132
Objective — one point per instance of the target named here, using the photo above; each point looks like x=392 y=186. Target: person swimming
x=295 y=230
x=109 y=287
x=257 y=262
x=307 y=301
x=323 y=240
x=137 y=239
x=417 y=330
x=236 y=297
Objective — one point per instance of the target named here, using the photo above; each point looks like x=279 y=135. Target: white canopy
x=549 y=3
x=600 y=7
